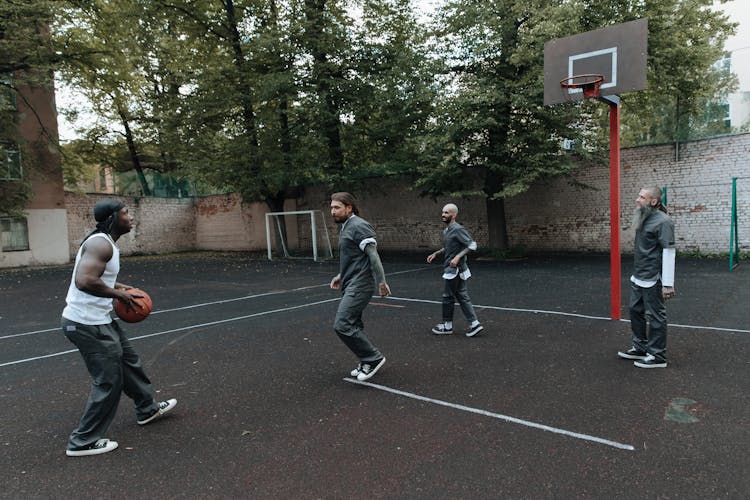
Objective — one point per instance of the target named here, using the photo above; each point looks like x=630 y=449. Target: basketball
x=142 y=308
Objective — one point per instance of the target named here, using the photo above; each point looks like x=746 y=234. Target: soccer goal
x=301 y=234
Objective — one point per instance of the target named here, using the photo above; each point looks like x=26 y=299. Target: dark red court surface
x=537 y=406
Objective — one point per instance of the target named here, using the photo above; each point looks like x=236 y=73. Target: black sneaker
x=442 y=330
x=101 y=446
x=356 y=371
x=651 y=362
x=369 y=369
x=474 y=330
x=633 y=353
x=164 y=407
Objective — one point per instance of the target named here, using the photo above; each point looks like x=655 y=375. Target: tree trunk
x=496 y=224
x=323 y=76
x=497 y=229
x=134 y=153
x=245 y=88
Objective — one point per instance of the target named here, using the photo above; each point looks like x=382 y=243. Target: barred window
x=10 y=162
x=14 y=234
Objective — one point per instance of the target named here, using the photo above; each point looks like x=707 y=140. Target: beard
x=640 y=214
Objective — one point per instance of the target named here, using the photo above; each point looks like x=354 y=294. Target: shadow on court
x=538 y=405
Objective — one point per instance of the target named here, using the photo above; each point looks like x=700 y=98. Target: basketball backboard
x=617 y=52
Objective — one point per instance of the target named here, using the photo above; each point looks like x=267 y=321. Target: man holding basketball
x=359 y=260
x=457 y=243
x=111 y=361
x=652 y=282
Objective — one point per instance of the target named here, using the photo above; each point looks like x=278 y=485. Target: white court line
x=498 y=416
x=407 y=299
x=225 y=301
x=575 y=315
x=189 y=327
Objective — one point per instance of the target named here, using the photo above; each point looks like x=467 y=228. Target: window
x=14 y=234
x=7 y=95
x=10 y=162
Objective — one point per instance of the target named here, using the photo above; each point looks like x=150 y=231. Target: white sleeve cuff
x=367 y=241
x=667 y=266
x=473 y=245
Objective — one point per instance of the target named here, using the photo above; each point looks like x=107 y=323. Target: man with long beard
x=652 y=282
x=359 y=261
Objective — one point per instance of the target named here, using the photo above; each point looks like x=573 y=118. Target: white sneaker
x=474 y=330
x=442 y=330
x=164 y=407
x=651 y=362
x=101 y=446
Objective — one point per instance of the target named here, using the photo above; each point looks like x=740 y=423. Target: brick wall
x=403 y=220
x=161 y=225
x=554 y=215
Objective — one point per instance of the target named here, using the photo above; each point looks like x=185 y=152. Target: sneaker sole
x=158 y=414
x=442 y=333
x=625 y=355
x=362 y=377
x=655 y=365
x=474 y=332
x=97 y=451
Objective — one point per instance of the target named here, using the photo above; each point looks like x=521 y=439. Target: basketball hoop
x=588 y=83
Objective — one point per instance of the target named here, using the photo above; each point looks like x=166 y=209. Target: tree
x=262 y=97
x=492 y=135
x=26 y=60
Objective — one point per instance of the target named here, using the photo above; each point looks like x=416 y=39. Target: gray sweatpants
x=456 y=290
x=115 y=368
x=648 y=320
x=348 y=324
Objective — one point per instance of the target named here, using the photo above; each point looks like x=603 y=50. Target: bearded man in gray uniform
x=457 y=242
x=110 y=359
x=652 y=282
x=359 y=260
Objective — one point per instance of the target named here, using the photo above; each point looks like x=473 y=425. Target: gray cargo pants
x=115 y=368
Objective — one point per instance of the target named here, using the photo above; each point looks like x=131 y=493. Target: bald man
x=457 y=243
x=652 y=282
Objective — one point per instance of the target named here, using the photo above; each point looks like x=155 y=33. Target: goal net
x=301 y=234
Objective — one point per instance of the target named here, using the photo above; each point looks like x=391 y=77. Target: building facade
x=31 y=156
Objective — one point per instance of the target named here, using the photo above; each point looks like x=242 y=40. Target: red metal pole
x=614 y=207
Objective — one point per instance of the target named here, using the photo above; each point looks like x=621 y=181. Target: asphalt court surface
x=537 y=405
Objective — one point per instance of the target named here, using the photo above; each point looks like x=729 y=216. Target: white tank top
x=89 y=309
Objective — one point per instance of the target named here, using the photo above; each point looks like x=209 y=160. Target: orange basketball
x=142 y=308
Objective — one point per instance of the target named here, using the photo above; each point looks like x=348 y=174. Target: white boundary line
x=514 y=420
x=576 y=315
x=407 y=299
x=225 y=301
x=189 y=327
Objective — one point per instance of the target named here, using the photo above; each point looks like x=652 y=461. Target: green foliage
x=492 y=136
x=686 y=83
x=28 y=57
x=262 y=97
x=267 y=96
